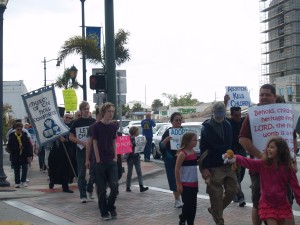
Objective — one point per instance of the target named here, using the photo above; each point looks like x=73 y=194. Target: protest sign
x=123 y=144
x=140 y=143
x=82 y=134
x=42 y=110
x=272 y=120
x=177 y=133
x=239 y=96
x=70 y=99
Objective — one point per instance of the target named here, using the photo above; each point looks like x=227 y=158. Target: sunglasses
x=178 y=120
x=67 y=117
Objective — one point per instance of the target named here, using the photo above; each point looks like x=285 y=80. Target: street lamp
x=3 y=181
x=73 y=73
x=83 y=54
x=45 y=69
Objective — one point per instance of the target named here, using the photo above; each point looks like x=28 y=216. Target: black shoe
x=147 y=160
x=51 y=185
x=113 y=214
x=181 y=222
x=242 y=202
x=142 y=188
x=106 y=217
x=68 y=191
x=128 y=189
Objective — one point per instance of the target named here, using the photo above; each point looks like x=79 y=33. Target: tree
x=80 y=45
x=156 y=104
x=7 y=119
x=125 y=109
x=137 y=107
x=64 y=81
x=183 y=100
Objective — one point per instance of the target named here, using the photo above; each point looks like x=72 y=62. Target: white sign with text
x=176 y=135
x=239 y=96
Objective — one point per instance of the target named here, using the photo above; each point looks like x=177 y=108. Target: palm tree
x=80 y=45
x=65 y=81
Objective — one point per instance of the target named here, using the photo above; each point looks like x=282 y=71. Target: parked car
x=130 y=124
x=191 y=126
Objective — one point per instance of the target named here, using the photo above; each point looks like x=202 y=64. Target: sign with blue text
x=239 y=96
x=176 y=135
x=42 y=110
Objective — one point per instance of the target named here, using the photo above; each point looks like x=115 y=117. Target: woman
x=21 y=152
x=169 y=157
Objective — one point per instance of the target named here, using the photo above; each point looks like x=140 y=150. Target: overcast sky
x=176 y=46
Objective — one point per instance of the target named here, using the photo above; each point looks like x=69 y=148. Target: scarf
x=20 y=142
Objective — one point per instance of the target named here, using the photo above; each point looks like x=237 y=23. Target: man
x=147 y=126
x=104 y=144
x=78 y=135
x=267 y=95
x=216 y=139
x=236 y=122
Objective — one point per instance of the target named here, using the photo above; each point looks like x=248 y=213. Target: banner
x=272 y=120
x=177 y=133
x=123 y=144
x=70 y=100
x=43 y=113
x=94 y=33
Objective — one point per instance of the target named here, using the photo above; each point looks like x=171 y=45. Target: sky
x=176 y=46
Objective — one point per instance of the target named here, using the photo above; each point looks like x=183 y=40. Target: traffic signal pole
x=110 y=52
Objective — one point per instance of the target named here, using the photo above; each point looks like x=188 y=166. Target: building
x=280 y=27
x=12 y=91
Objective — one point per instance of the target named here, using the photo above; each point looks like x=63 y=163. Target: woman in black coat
x=21 y=153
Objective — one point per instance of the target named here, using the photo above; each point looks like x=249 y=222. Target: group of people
x=273 y=172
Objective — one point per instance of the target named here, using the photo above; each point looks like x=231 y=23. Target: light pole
x=3 y=181
x=83 y=53
x=45 y=68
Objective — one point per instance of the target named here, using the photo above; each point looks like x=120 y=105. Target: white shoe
x=27 y=180
x=83 y=200
x=17 y=185
x=90 y=194
x=24 y=184
x=178 y=204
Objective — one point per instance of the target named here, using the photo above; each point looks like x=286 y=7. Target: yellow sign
x=70 y=99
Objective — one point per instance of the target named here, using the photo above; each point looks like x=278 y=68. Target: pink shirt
x=273 y=181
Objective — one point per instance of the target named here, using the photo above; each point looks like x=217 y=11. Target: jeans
x=17 y=168
x=80 y=157
x=137 y=164
x=147 y=149
x=189 y=198
x=92 y=179
x=222 y=177
x=41 y=156
x=107 y=173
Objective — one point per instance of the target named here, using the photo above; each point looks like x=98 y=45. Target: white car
x=191 y=126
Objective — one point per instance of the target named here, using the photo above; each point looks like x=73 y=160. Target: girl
x=186 y=177
x=134 y=159
x=21 y=153
x=276 y=173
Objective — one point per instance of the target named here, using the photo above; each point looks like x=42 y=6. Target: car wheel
x=155 y=153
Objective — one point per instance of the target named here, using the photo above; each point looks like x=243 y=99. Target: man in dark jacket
x=216 y=139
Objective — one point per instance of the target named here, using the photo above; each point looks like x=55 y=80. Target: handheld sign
x=140 y=143
x=239 y=96
x=177 y=133
x=272 y=120
x=81 y=134
x=123 y=144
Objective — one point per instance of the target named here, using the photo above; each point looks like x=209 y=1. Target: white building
x=12 y=91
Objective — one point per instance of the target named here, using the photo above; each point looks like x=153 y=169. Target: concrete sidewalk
x=155 y=206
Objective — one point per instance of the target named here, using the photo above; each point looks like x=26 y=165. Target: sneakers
x=24 y=184
x=128 y=189
x=68 y=191
x=90 y=194
x=105 y=217
x=113 y=214
x=83 y=200
x=17 y=185
x=178 y=203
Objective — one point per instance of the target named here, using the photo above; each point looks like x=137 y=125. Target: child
x=134 y=159
x=186 y=177
x=276 y=173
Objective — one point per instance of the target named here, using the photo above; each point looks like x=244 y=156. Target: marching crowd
x=91 y=144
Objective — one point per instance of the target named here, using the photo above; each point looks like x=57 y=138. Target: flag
x=94 y=33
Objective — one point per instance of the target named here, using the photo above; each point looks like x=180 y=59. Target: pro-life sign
x=123 y=144
x=239 y=96
x=176 y=134
x=140 y=143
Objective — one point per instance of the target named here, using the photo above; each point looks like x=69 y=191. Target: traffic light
x=98 y=82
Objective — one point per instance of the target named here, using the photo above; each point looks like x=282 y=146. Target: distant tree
x=125 y=109
x=156 y=104
x=183 y=100
x=7 y=119
x=137 y=107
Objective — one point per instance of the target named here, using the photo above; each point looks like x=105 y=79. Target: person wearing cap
x=221 y=180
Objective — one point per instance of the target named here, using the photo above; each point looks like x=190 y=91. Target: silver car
x=191 y=126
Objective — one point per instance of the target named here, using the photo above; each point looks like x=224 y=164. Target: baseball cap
x=218 y=109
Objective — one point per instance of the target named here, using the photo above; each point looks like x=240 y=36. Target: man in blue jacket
x=221 y=180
